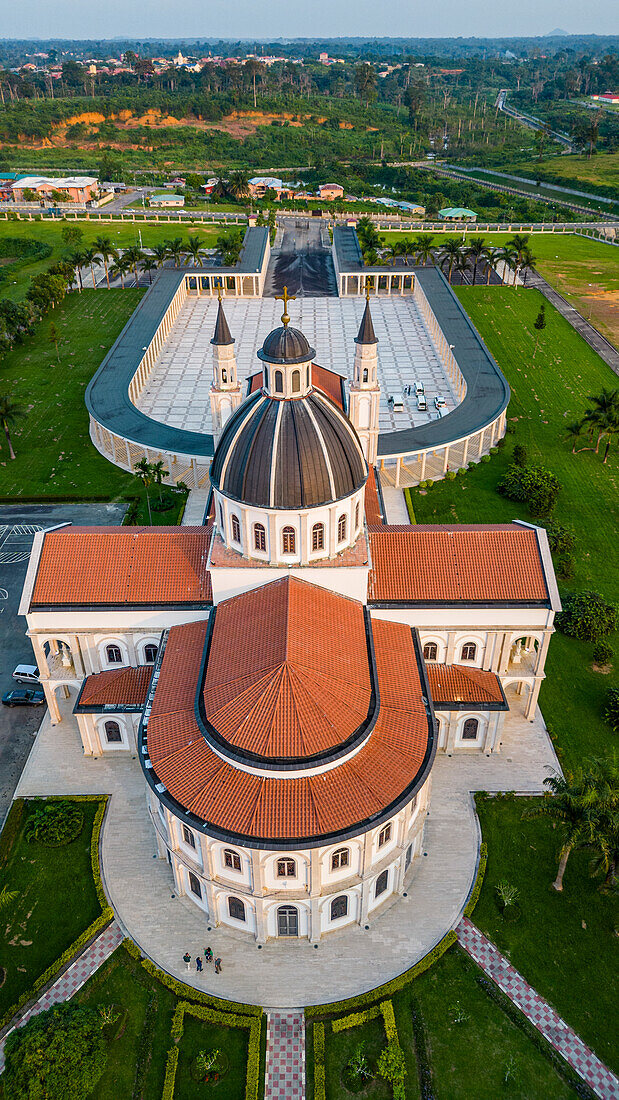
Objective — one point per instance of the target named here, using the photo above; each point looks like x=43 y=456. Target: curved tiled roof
x=455 y=685
x=263 y=811
x=299 y=682
x=288 y=454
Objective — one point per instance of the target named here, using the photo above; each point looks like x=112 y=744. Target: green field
x=579 y=172
x=565 y=944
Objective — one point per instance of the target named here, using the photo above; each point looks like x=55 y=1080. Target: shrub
x=565 y=567
x=602 y=653
x=494 y=450
x=611 y=709
x=54 y=823
x=73 y=1060
x=450 y=475
x=170 y=1074
x=356 y=1019
x=429 y=484
x=472 y=465
x=462 y=470
x=534 y=485
x=319 y=1062
x=561 y=539
x=520 y=456
x=391 y=1064
x=423 y=485
x=485 y=458
x=587 y=616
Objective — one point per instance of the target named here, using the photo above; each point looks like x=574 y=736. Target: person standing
x=198 y=964
x=218 y=966
x=187 y=959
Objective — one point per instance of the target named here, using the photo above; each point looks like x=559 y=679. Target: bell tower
x=364 y=389
x=225 y=388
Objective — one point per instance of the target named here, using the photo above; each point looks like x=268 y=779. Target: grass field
x=574 y=171
x=54 y=453
x=56 y=902
x=565 y=944
x=547 y=393
x=122 y=235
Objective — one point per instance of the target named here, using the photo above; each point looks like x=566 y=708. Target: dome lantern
x=287 y=359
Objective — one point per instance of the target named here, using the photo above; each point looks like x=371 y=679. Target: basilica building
x=285 y=674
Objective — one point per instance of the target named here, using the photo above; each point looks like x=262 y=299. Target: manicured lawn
x=56 y=902
x=564 y=944
x=339 y=1049
x=54 y=453
x=547 y=393
x=469 y=1059
x=231 y=1042
x=143 y=1008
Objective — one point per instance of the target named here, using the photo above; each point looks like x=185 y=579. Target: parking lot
x=18 y=524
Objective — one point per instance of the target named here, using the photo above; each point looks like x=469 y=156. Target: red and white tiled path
x=538 y=1011
x=73 y=979
x=285 y=1063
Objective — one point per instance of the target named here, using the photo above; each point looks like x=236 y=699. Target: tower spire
x=366 y=334
x=222 y=335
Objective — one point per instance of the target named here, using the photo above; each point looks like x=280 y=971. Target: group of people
x=208 y=957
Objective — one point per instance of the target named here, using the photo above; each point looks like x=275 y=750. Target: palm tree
x=238 y=185
x=518 y=245
x=144 y=473
x=160 y=254
x=92 y=257
x=568 y=806
x=159 y=471
x=424 y=248
x=573 y=431
x=134 y=256
x=450 y=252
x=147 y=264
x=194 y=249
x=121 y=267
x=106 y=250
x=79 y=260
x=604 y=416
x=10 y=412
x=492 y=257
x=510 y=260
x=528 y=263
x=220 y=189
x=176 y=249
x=7 y=897
x=476 y=252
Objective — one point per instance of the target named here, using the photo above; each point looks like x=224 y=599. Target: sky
x=280 y=18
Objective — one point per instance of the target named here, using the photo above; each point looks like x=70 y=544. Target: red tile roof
x=323 y=379
x=119 y=686
x=300 y=807
x=123 y=566
x=288 y=672
x=467 y=564
x=461 y=684
x=373 y=514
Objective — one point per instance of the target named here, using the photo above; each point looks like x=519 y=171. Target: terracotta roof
x=288 y=672
x=373 y=514
x=464 y=564
x=393 y=761
x=123 y=566
x=327 y=381
x=461 y=684
x=124 y=687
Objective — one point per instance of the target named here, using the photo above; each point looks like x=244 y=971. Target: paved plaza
x=177 y=391
x=292 y=974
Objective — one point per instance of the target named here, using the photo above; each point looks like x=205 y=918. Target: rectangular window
x=188 y=837
x=384 y=836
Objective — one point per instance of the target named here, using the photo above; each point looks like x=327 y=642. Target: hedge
x=388 y=988
x=319 y=1062
x=186 y=992
x=203 y=1012
x=422 y=1053
x=391 y=1031
x=356 y=1019
x=479 y=880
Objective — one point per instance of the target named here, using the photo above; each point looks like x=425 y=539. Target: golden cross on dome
x=285 y=298
x=219 y=292
x=367 y=289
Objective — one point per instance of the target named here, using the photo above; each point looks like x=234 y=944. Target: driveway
x=301 y=263
x=18 y=524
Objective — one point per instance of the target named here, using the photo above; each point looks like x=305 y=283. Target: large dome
x=286 y=345
x=288 y=454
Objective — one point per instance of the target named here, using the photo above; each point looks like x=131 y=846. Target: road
x=18 y=524
x=301 y=262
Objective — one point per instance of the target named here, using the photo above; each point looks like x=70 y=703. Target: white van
x=418 y=387
x=397 y=402
x=422 y=404
x=26 y=674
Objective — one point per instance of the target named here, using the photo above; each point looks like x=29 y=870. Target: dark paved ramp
x=301 y=262
x=584 y=328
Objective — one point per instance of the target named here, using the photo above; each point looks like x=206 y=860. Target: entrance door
x=287 y=921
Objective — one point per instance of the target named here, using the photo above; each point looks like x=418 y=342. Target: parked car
x=24 y=697
x=27 y=674
x=439 y=402
x=422 y=404
x=418 y=388
x=397 y=402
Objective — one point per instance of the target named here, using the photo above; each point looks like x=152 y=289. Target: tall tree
x=450 y=254
x=107 y=252
x=10 y=412
x=144 y=473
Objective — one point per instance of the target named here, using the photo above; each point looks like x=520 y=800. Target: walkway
x=288 y=975
x=73 y=979
x=285 y=1062
x=584 y=328
x=193 y=516
x=538 y=1011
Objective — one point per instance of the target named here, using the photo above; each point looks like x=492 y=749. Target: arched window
x=470 y=729
x=236 y=908
x=232 y=860
x=341 y=858
x=150 y=653
x=357 y=516
x=318 y=536
x=469 y=652
x=224 y=376
x=341 y=529
x=112 y=732
x=235 y=527
x=260 y=537
x=384 y=835
x=194 y=885
x=288 y=540
x=430 y=651
x=365 y=374
x=266 y=377
x=286 y=868
x=381 y=883
x=287 y=921
x=307 y=378
x=113 y=654
x=279 y=382
x=188 y=837
x=339 y=907
x=296 y=381
x=408 y=857
x=221 y=517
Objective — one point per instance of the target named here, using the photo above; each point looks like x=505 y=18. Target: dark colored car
x=24 y=697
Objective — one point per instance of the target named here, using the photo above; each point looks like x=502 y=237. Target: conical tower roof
x=222 y=332
x=366 y=334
